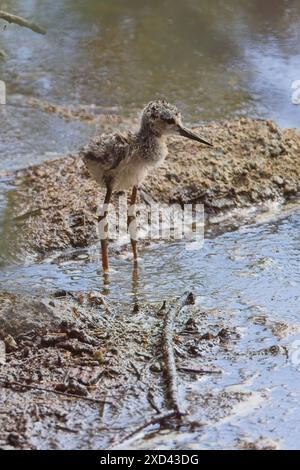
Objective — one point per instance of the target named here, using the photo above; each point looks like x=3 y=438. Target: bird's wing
x=108 y=150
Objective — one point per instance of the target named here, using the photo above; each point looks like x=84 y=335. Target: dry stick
x=154 y=420
x=6 y=383
x=168 y=348
x=169 y=355
x=199 y=371
x=21 y=22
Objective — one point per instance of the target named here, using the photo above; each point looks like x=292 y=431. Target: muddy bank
x=91 y=381
x=252 y=162
x=20 y=313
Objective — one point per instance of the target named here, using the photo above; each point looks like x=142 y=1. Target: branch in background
x=21 y=22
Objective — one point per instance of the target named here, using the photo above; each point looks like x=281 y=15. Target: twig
x=150 y=398
x=199 y=371
x=66 y=429
x=21 y=22
x=169 y=355
x=6 y=383
x=154 y=420
x=137 y=372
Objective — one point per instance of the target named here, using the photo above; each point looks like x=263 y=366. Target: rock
x=290 y=188
x=278 y=180
x=60 y=293
x=10 y=343
x=156 y=367
x=2 y=352
x=272 y=126
x=207 y=336
x=275 y=151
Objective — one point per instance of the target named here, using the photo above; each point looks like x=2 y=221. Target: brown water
x=213 y=59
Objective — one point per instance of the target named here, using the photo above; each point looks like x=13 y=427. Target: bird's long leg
x=103 y=225
x=131 y=222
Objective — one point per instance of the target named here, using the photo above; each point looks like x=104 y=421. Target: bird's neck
x=146 y=134
x=153 y=145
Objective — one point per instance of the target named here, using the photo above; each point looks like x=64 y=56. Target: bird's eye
x=170 y=121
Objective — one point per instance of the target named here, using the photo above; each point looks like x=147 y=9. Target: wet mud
x=97 y=379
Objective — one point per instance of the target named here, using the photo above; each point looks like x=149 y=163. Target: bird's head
x=161 y=117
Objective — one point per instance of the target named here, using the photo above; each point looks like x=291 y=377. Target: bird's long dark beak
x=191 y=135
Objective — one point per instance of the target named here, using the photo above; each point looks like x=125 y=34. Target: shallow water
x=256 y=264
x=214 y=59
x=252 y=276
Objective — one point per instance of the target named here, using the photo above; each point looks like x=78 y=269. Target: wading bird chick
x=122 y=160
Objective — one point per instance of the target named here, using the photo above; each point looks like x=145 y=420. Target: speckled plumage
x=121 y=161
